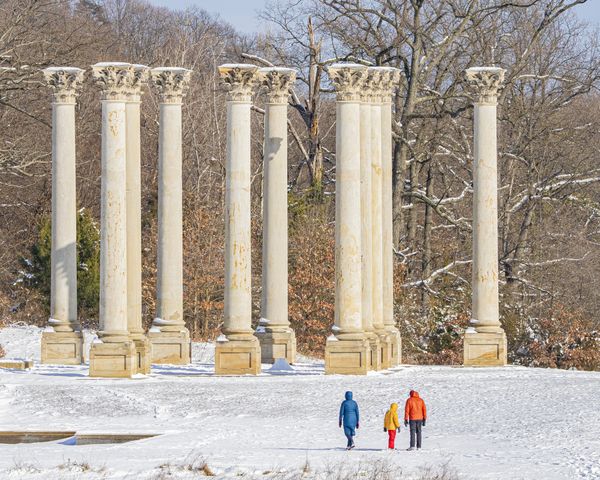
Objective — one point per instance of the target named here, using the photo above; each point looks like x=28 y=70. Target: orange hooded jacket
x=415 y=407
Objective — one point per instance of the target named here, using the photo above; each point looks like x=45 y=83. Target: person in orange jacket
x=415 y=415
x=391 y=424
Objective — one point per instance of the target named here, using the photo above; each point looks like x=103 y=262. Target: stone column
x=169 y=336
x=367 y=224
x=384 y=354
x=134 y=221
x=347 y=350
x=485 y=340
x=277 y=339
x=113 y=355
x=390 y=79
x=237 y=349
x=62 y=341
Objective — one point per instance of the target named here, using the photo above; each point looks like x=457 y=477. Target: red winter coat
x=415 y=407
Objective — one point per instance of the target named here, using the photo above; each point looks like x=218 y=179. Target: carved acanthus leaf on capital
x=171 y=83
x=64 y=82
x=238 y=81
x=141 y=74
x=485 y=83
x=277 y=83
x=390 y=79
x=348 y=80
x=114 y=79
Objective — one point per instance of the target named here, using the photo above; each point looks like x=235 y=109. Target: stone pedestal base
x=485 y=349
x=385 y=350
x=347 y=357
x=171 y=347
x=375 y=354
x=395 y=347
x=62 y=348
x=238 y=357
x=113 y=360
x=279 y=344
x=143 y=354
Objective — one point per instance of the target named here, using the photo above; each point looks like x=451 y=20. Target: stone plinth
x=62 y=348
x=238 y=357
x=347 y=357
x=485 y=349
x=143 y=353
x=375 y=351
x=170 y=347
x=277 y=344
x=16 y=364
x=113 y=360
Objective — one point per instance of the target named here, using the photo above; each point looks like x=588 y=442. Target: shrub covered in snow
x=564 y=339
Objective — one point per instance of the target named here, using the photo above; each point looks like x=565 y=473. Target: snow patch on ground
x=492 y=423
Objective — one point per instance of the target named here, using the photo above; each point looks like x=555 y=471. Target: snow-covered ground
x=492 y=423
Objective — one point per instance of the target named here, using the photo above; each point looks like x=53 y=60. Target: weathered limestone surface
x=390 y=79
x=134 y=221
x=384 y=353
x=237 y=349
x=277 y=339
x=62 y=343
x=169 y=336
x=113 y=355
x=14 y=364
x=348 y=351
x=367 y=225
x=485 y=340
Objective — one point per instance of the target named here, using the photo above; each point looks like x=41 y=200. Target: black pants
x=415 y=429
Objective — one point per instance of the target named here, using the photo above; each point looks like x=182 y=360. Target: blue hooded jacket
x=349 y=412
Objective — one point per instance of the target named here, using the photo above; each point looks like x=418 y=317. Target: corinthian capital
x=238 y=80
x=276 y=83
x=114 y=79
x=390 y=78
x=485 y=83
x=171 y=82
x=140 y=76
x=64 y=82
x=348 y=80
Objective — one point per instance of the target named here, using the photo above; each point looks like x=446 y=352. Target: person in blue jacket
x=349 y=418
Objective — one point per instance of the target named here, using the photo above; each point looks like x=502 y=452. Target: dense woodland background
x=549 y=160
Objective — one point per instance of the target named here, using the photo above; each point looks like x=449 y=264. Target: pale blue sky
x=242 y=13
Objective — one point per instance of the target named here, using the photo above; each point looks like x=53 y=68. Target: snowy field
x=509 y=423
